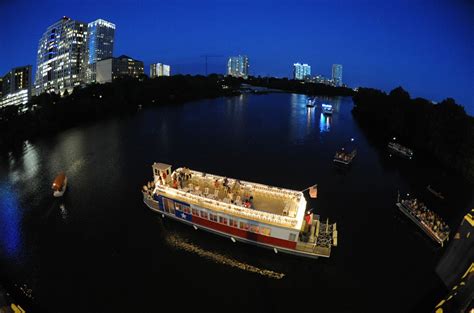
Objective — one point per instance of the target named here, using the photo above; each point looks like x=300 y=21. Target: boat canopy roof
x=161 y=166
x=59 y=181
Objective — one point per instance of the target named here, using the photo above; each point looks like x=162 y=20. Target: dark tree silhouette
x=442 y=130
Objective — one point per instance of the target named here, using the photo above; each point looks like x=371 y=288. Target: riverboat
x=311 y=103
x=266 y=216
x=327 y=109
x=425 y=219
x=401 y=150
x=343 y=157
x=59 y=185
x=435 y=193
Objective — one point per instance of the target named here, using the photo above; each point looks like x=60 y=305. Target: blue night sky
x=425 y=46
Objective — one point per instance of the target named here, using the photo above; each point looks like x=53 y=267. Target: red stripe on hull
x=244 y=234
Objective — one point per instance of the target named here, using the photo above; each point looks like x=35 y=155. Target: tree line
x=443 y=130
x=299 y=86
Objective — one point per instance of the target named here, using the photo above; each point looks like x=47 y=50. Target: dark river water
x=105 y=251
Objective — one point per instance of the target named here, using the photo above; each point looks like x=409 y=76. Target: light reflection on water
x=10 y=216
x=30 y=160
x=324 y=123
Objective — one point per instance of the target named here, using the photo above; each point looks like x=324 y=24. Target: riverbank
x=443 y=131
x=298 y=86
x=49 y=113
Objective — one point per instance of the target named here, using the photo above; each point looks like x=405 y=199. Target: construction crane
x=206 y=56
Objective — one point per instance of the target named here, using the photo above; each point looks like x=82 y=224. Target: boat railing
x=230 y=208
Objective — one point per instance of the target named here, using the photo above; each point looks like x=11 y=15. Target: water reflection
x=324 y=123
x=299 y=117
x=310 y=113
x=235 y=112
x=179 y=243
x=64 y=213
x=10 y=216
x=30 y=160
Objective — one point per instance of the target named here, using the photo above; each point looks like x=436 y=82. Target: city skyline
x=379 y=48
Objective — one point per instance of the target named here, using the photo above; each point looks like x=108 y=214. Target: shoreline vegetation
x=49 y=113
x=443 y=131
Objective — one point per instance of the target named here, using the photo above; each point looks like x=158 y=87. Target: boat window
x=213 y=217
x=254 y=228
x=195 y=212
x=292 y=237
x=204 y=214
x=168 y=205
x=222 y=220
x=265 y=231
x=232 y=223
x=244 y=226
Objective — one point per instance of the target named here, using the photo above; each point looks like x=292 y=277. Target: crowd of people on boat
x=344 y=156
x=234 y=192
x=434 y=222
x=401 y=149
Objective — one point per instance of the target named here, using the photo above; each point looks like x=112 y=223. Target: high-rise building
x=337 y=74
x=99 y=46
x=18 y=78
x=301 y=71
x=238 y=66
x=100 y=40
x=16 y=86
x=159 y=69
x=112 y=68
x=60 y=57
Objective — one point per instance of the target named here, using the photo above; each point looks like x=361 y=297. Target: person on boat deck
x=216 y=184
x=175 y=184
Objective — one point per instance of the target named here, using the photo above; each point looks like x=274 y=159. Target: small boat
x=310 y=103
x=427 y=220
x=59 y=185
x=437 y=194
x=401 y=150
x=327 y=109
x=343 y=157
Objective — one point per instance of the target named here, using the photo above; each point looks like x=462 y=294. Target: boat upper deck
x=273 y=205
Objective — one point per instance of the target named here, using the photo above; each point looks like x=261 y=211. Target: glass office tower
x=337 y=74
x=60 y=57
x=100 y=46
